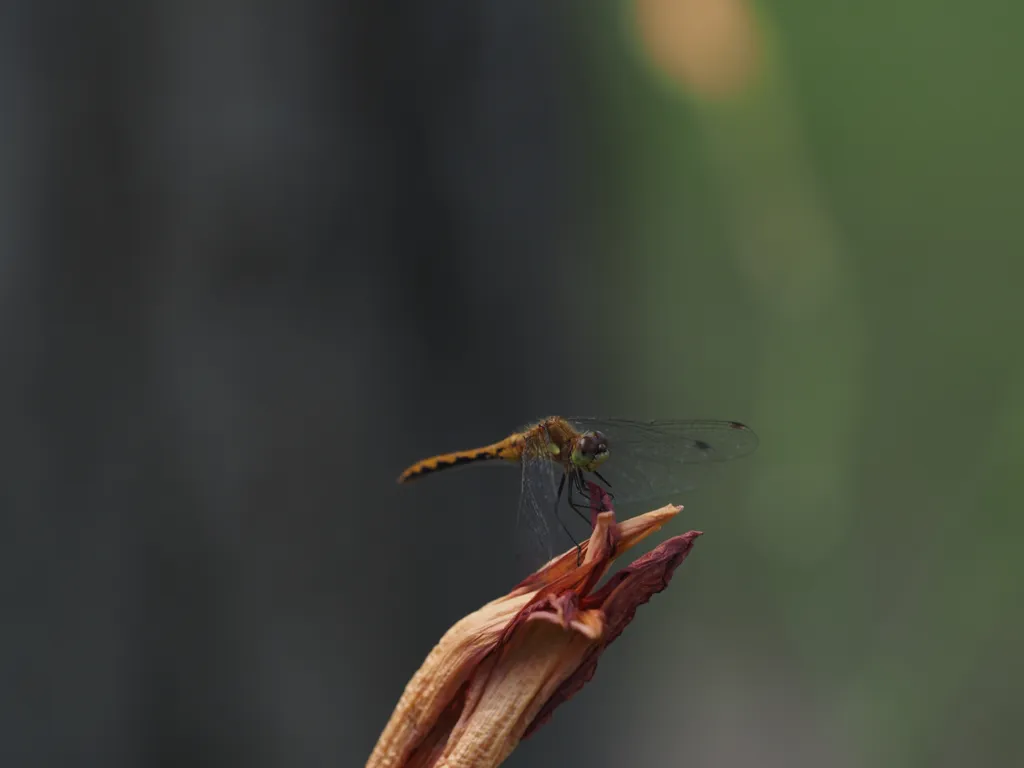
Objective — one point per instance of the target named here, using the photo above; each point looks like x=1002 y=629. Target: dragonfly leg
x=607 y=484
x=577 y=482
x=599 y=499
x=558 y=498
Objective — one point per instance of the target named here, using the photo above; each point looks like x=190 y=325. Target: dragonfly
x=636 y=461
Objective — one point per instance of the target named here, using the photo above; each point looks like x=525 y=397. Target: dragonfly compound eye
x=593 y=444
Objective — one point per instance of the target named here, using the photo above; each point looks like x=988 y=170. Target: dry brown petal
x=618 y=600
x=499 y=673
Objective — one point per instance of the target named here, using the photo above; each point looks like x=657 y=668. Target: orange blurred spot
x=711 y=47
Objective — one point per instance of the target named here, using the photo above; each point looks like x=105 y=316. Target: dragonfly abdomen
x=508 y=449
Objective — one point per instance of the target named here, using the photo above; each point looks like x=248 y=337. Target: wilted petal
x=617 y=602
x=498 y=673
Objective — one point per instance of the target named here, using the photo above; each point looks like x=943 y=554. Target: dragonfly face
x=589 y=451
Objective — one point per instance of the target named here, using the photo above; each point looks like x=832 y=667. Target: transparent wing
x=534 y=523
x=650 y=461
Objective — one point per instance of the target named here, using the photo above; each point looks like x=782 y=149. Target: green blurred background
x=815 y=201
x=257 y=259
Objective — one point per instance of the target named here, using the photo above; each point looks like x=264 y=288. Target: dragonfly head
x=589 y=450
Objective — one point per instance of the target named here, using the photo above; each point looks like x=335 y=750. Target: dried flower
x=499 y=673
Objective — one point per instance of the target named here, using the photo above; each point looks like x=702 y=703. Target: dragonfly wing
x=652 y=461
x=690 y=441
x=536 y=505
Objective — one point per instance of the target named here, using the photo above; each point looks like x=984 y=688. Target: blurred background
x=255 y=259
